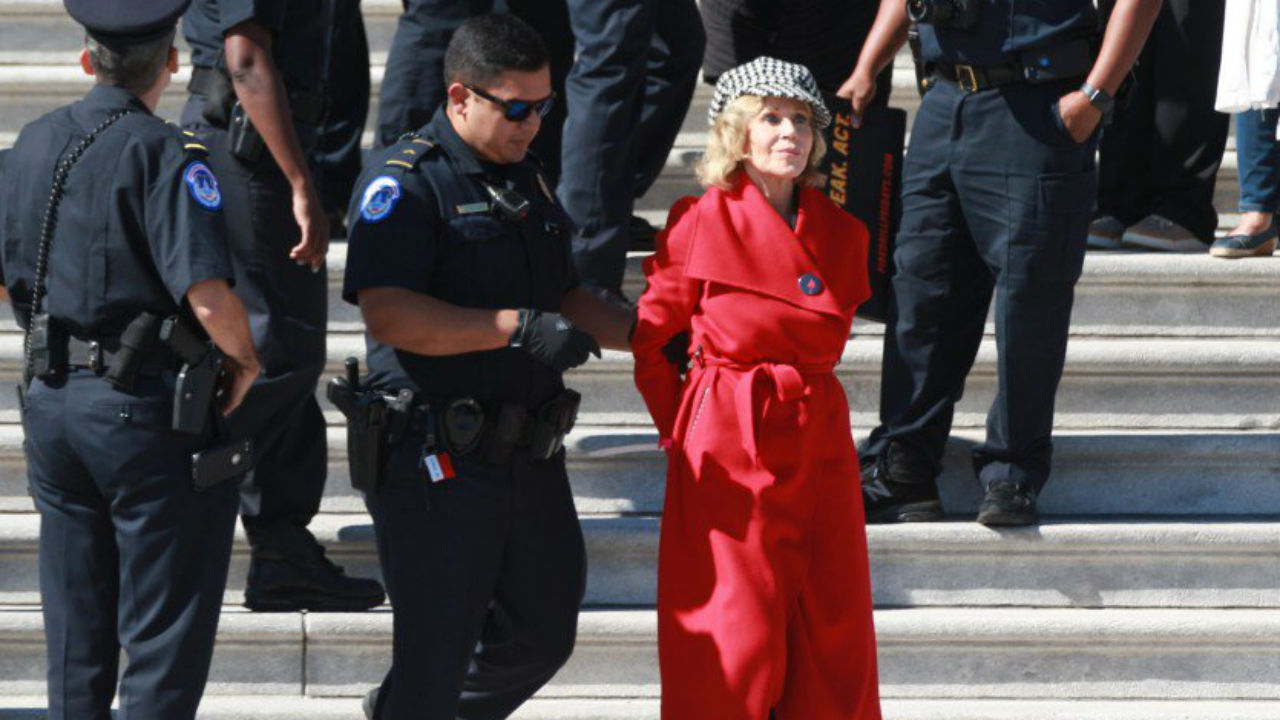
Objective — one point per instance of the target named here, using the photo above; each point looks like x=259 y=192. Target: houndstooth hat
x=769 y=77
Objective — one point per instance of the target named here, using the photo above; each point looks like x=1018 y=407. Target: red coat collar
x=742 y=241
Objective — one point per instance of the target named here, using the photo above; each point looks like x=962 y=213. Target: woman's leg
x=831 y=641
x=728 y=572
x=1258 y=154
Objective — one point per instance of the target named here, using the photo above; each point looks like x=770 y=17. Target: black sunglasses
x=518 y=110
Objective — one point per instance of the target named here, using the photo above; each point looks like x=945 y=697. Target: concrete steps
x=1079 y=563
x=617 y=471
x=1120 y=295
x=1150 y=593
x=1169 y=384
x=924 y=653
x=304 y=708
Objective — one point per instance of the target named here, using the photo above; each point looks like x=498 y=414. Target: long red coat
x=764 y=595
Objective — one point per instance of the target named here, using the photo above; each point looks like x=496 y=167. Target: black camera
x=954 y=14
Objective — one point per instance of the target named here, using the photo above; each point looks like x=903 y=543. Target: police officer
x=256 y=99
x=627 y=96
x=459 y=259
x=113 y=221
x=998 y=190
x=413 y=87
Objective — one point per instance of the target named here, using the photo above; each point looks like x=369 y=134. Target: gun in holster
x=138 y=337
x=375 y=422
x=245 y=142
x=223 y=110
x=553 y=422
x=198 y=380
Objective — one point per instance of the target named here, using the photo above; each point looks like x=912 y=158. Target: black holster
x=552 y=423
x=138 y=338
x=223 y=110
x=375 y=423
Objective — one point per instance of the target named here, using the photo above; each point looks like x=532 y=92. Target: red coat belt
x=788 y=385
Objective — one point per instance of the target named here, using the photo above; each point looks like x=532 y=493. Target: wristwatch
x=1098 y=98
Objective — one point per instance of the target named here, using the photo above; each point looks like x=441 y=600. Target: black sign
x=863 y=167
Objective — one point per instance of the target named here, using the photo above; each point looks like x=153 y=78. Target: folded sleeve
x=665 y=310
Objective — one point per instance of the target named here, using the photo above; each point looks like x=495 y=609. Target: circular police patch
x=203 y=185
x=379 y=198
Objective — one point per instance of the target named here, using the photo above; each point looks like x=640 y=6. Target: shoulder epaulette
x=190 y=143
x=409 y=151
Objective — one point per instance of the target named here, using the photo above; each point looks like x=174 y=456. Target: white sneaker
x=1105 y=233
x=1155 y=232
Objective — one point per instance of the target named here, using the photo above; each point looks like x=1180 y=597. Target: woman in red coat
x=764 y=601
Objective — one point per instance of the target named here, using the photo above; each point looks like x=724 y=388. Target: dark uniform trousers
x=337 y=152
x=488 y=570
x=1162 y=152
x=627 y=94
x=997 y=199
x=120 y=518
x=288 y=310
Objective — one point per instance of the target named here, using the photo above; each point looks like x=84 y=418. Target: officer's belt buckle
x=96 y=363
x=967 y=70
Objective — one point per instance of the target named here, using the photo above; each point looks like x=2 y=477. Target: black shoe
x=1008 y=503
x=370 y=704
x=295 y=575
x=899 y=486
x=642 y=234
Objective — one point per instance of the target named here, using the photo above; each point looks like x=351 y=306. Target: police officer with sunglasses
x=459 y=258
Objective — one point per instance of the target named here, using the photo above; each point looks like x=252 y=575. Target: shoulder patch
x=409 y=151
x=203 y=185
x=379 y=199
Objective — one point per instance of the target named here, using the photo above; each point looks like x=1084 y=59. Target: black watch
x=1098 y=98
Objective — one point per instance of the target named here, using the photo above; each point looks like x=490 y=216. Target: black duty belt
x=1069 y=61
x=98 y=355
x=306 y=106
x=492 y=431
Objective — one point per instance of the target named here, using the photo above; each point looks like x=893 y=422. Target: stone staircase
x=1150 y=592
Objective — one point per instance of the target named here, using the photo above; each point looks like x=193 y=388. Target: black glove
x=677 y=351
x=553 y=339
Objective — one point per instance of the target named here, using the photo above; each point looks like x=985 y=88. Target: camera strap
x=47 y=227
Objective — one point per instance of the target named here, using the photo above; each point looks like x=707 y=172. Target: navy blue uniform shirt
x=297 y=28
x=429 y=228
x=1007 y=28
x=140 y=222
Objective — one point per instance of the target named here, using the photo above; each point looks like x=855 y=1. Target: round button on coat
x=810 y=284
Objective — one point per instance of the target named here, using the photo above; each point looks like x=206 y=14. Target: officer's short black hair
x=488 y=45
x=133 y=66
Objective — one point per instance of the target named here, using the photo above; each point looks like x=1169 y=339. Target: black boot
x=1008 y=504
x=288 y=571
x=900 y=486
x=370 y=704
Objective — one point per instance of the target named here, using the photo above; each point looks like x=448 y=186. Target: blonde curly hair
x=727 y=143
